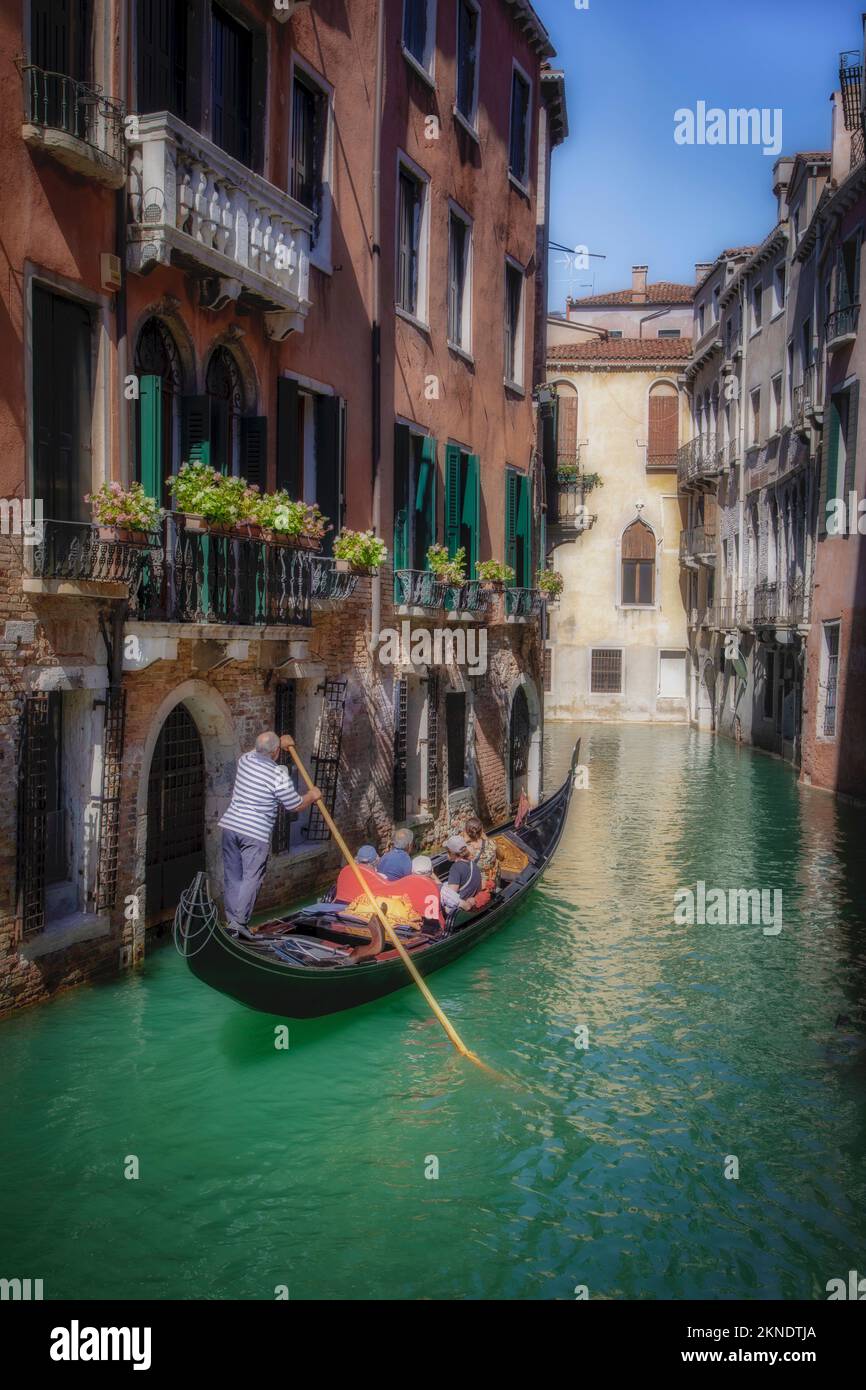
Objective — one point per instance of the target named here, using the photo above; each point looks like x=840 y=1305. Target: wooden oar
x=392 y=936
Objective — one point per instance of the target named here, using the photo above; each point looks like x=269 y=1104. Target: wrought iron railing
x=471 y=597
x=567 y=507
x=59 y=102
x=418 y=589
x=697 y=460
x=224 y=579
x=780 y=604
x=523 y=603
x=698 y=542
x=330 y=582
x=842 y=321
x=72 y=550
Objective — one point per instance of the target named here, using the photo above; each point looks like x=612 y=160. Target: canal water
x=605 y=1167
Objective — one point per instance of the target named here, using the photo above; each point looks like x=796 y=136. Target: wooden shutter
x=161 y=55
x=851 y=439
x=328 y=462
x=289 y=463
x=254 y=450
x=663 y=429
x=61 y=405
x=452 y=498
x=830 y=466
x=231 y=65
x=425 y=501
x=511 y=508
x=150 y=460
x=401 y=497
x=524 y=534
x=471 y=511
x=638 y=542
x=195 y=429
x=566 y=430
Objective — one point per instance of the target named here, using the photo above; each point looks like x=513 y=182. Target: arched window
x=664 y=428
x=638 y=564
x=157 y=430
x=225 y=389
x=566 y=431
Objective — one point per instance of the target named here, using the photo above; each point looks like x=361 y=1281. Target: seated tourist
x=396 y=862
x=483 y=851
x=348 y=888
x=428 y=898
x=464 y=876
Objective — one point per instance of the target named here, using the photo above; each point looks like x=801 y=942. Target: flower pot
x=251 y=530
x=308 y=542
x=193 y=523
x=221 y=528
x=124 y=534
x=493 y=586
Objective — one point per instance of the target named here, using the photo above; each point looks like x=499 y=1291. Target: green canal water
x=605 y=1167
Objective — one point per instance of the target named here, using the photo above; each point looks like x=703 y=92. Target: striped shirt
x=260 y=786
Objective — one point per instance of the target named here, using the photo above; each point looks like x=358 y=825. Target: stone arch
x=529 y=693
x=244 y=364
x=215 y=726
x=167 y=313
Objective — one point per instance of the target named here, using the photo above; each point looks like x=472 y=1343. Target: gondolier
x=261 y=787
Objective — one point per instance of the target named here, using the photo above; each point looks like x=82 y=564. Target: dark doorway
x=175 y=811
x=455 y=720
x=519 y=735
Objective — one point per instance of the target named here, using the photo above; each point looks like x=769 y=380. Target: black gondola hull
x=290 y=991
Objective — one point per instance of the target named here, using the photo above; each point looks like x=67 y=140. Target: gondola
x=296 y=966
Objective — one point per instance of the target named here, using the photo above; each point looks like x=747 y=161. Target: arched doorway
x=519 y=742
x=175 y=812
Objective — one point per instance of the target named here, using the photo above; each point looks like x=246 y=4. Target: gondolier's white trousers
x=244 y=864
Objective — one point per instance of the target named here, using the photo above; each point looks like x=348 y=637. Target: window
x=61 y=406
x=789 y=395
x=157 y=411
x=513 y=324
x=638 y=565
x=518 y=141
x=796 y=226
x=419 y=31
x=755 y=416
x=309 y=133
x=779 y=288
x=614 y=333
x=459 y=289
x=829 y=681
x=231 y=84
x=414 y=498
x=668 y=333
x=467 y=60
x=462 y=504
x=60 y=43
x=716 y=298
x=848 y=272
x=757 y=305
x=455 y=721
x=311 y=449
x=518 y=527
x=606 y=671
x=806 y=347
x=411 y=243
x=663 y=433
x=672 y=675
x=841 y=448
x=701 y=319
x=162 y=57
x=776 y=404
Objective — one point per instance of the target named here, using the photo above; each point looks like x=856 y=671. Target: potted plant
x=567 y=473
x=205 y=499
x=248 y=497
x=124 y=514
x=589 y=481
x=494 y=575
x=451 y=569
x=280 y=518
x=360 y=551
x=550 y=583
x=314 y=528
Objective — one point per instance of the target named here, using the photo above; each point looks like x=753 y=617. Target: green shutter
x=511 y=509
x=829 y=466
x=195 y=433
x=452 y=498
x=851 y=439
x=401 y=497
x=426 y=496
x=328 y=463
x=289 y=463
x=524 y=533
x=471 y=509
x=254 y=450
x=150 y=436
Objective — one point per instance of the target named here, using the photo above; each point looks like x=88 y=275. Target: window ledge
x=780 y=313
x=411 y=318
x=754 y=333
x=513 y=386
x=418 y=67
x=461 y=352
x=65 y=932
x=466 y=124
x=515 y=182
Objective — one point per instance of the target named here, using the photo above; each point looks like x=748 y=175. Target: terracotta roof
x=736 y=251
x=622 y=350
x=663 y=292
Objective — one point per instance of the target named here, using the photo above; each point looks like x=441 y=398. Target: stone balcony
x=191 y=204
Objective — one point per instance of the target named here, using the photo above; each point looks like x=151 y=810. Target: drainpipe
x=659 y=313
x=376 y=343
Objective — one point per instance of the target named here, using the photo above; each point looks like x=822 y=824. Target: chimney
x=638 y=283
x=701 y=268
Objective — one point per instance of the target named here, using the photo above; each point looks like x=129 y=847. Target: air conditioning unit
x=110 y=272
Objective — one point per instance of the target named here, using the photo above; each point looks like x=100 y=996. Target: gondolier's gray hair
x=267 y=743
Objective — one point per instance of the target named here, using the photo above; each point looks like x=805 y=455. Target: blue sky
x=621 y=185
